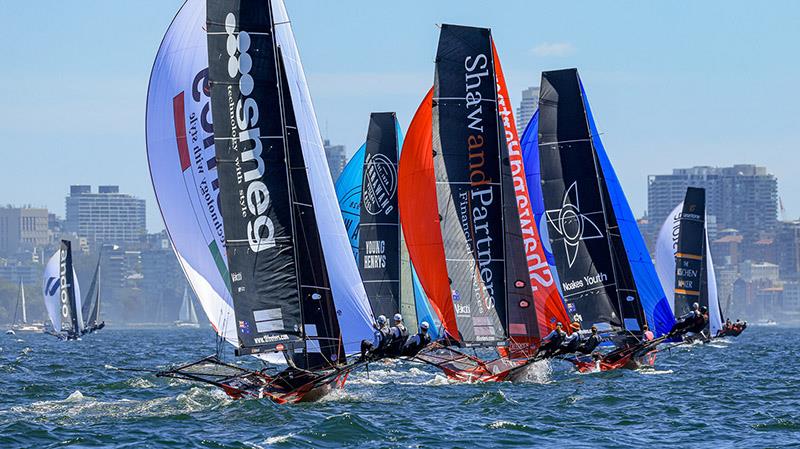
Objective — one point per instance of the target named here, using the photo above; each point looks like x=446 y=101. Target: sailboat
x=257 y=186
x=461 y=217
x=684 y=263
x=62 y=295
x=367 y=194
x=23 y=325
x=91 y=304
x=604 y=270
x=187 y=317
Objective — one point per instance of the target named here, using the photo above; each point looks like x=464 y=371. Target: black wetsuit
x=398 y=334
x=589 y=344
x=685 y=322
x=415 y=343
x=552 y=342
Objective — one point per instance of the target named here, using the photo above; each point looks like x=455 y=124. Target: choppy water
x=739 y=393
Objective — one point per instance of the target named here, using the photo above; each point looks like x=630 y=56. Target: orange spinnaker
x=419 y=214
x=547 y=299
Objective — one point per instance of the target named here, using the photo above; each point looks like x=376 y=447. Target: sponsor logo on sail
x=64 y=297
x=571 y=224
x=481 y=196
x=379 y=185
x=254 y=196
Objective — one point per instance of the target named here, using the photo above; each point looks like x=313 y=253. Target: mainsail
x=62 y=296
x=91 y=304
x=585 y=233
x=348 y=192
x=683 y=259
x=275 y=192
x=379 y=224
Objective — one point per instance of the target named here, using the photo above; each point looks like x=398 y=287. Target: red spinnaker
x=546 y=297
x=416 y=197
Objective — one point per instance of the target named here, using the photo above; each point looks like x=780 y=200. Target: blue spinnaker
x=348 y=193
x=656 y=307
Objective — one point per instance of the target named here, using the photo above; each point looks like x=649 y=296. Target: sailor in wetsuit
x=398 y=334
x=415 y=343
x=589 y=344
x=686 y=321
x=571 y=343
x=380 y=337
x=552 y=341
x=699 y=321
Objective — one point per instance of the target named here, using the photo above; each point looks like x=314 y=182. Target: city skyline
x=645 y=91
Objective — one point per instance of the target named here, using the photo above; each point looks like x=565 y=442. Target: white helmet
x=381 y=319
x=424 y=325
x=398 y=317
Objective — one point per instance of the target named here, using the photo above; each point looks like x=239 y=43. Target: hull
x=460 y=367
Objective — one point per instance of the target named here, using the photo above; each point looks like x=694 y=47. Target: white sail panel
x=666 y=247
x=355 y=319
x=180 y=151
x=52 y=291
x=714 y=313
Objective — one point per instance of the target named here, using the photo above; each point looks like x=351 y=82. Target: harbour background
x=730 y=393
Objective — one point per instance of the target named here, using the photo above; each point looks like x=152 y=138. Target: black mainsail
x=483 y=245
x=691 y=284
x=71 y=318
x=91 y=305
x=251 y=155
x=595 y=274
x=379 y=226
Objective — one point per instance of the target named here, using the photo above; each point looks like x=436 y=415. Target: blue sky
x=671 y=84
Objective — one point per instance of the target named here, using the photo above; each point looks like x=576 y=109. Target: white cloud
x=557 y=49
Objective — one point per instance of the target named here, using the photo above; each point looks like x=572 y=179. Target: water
x=738 y=393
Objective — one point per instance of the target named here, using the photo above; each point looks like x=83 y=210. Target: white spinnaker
x=714 y=312
x=184 y=186
x=51 y=289
x=666 y=248
x=350 y=298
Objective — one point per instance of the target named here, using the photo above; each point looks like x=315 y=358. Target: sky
x=671 y=84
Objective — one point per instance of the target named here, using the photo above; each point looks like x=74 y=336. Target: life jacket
x=396 y=343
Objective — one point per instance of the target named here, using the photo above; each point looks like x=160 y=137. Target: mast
x=379 y=223
x=22 y=300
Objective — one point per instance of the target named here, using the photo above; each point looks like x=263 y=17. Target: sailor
x=589 y=344
x=552 y=341
x=699 y=321
x=398 y=334
x=686 y=321
x=570 y=344
x=647 y=333
x=416 y=342
x=380 y=336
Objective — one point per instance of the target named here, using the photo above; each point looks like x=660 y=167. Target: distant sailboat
x=91 y=304
x=683 y=260
x=23 y=325
x=187 y=317
x=62 y=295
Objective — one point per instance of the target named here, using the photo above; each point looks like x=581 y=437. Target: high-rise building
x=22 y=228
x=787 y=245
x=337 y=158
x=107 y=216
x=742 y=197
x=527 y=106
x=163 y=281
